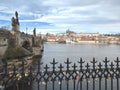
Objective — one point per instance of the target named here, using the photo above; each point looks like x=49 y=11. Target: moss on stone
x=17 y=52
x=37 y=56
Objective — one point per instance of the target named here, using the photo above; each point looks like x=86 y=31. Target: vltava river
x=63 y=51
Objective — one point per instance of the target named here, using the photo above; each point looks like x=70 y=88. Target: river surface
x=74 y=52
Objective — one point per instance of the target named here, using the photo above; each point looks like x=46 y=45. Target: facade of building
x=114 y=40
x=51 y=39
x=82 y=38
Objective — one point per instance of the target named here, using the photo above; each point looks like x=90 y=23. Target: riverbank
x=82 y=43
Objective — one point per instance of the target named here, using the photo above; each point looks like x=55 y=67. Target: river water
x=74 y=52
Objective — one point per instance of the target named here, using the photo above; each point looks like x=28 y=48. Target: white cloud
x=78 y=15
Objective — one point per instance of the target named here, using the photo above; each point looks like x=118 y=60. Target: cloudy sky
x=56 y=16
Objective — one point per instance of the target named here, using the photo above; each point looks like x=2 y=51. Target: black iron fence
x=72 y=76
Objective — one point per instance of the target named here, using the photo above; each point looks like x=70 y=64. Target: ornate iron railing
x=72 y=76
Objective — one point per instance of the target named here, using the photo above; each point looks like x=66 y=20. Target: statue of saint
x=16 y=14
x=13 y=21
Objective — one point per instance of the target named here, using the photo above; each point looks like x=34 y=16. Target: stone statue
x=15 y=22
x=34 y=32
x=16 y=14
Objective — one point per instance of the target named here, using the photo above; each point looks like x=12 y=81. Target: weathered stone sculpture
x=15 y=29
x=15 y=22
x=16 y=14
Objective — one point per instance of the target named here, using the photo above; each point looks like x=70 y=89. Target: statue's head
x=13 y=18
